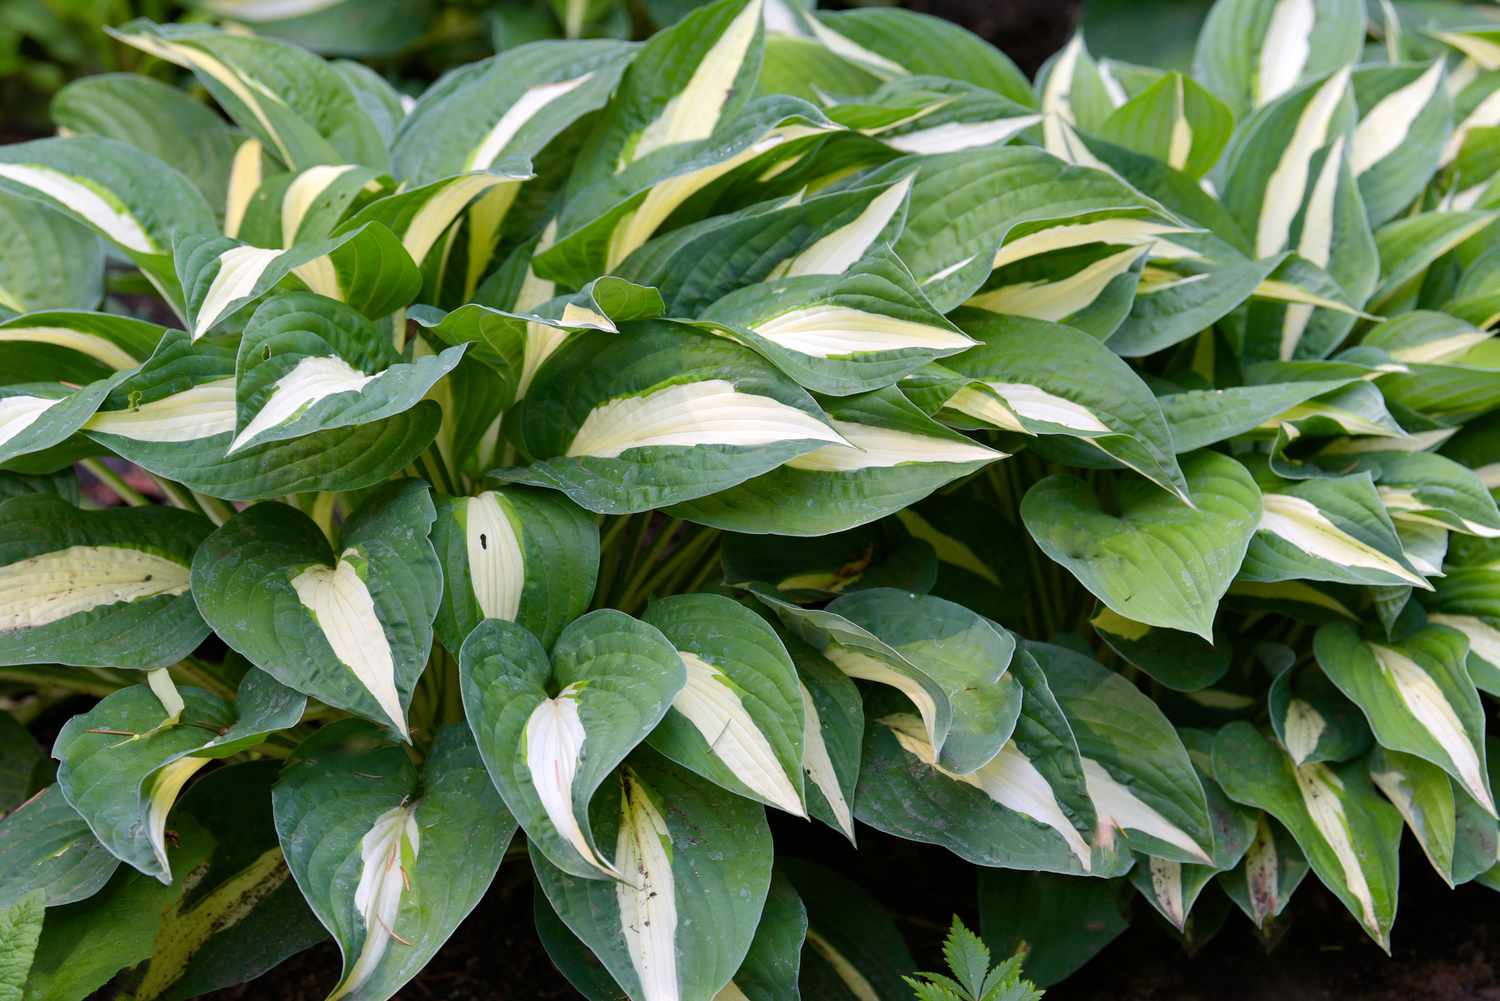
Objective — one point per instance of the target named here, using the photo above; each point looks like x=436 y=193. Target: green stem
x=218 y=511
x=654 y=556
x=127 y=493
x=71 y=683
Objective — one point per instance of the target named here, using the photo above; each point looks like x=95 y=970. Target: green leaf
x=309 y=364
x=351 y=626
x=20 y=928
x=136 y=202
x=895 y=455
x=1328 y=529
x=1252 y=51
x=1138 y=773
x=854 y=950
x=1409 y=246
x=123 y=763
x=1157 y=561
x=506 y=107
x=1174 y=120
x=606 y=418
x=245 y=915
x=157 y=119
x=515 y=553
x=1425 y=798
x=1348 y=833
x=738 y=720
x=771 y=967
x=176 y=418
x=701 y=859
x=1417 y=695
x=45 y=845
x=1264 y=881
x=1043 y=378
x=72 y=347
x=21 y=763
x=97 y=588
x=951 y=254
x=61 y=265
x=390 y=858
x=84 y=944
x=294 y=102
x=1181 y=661
x=1313 y=720
x=840 y=334
x=893 y=42
x=1057 y=922
x=1404 y=116
x=833 y=720
x=1026 y=808
x=552 y=734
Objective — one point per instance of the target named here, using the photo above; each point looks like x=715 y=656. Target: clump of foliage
x=798 y=414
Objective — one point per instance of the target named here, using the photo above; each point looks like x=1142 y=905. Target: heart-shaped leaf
x=351 y=626
x=551 y=733
x=123 y=763
x=1157 y=561
x=738 y=721
x=391 y=858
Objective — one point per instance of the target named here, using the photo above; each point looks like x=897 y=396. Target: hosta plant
x=799 y=419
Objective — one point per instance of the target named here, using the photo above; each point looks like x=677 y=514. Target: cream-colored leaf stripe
x=1117 y=806
x=648 y=903
x=101 y=349
x=871 y=447
x=527 y=107
x=1484 y=636
x=497 y=564
x=1323 y=796
x=244 y=181
x=204 y=411
x=43 y=589
x=1166 y=887
x=555 y=741
x=949 y=549
x=1060 y=299
x=1009 y=779
x=1036 y=404
x=712 y=412
x=1382 y=131
x=1263 y=872
x=863 y=667
x=710 y=702
x=1287 y=184
x=836 y=252
x=1432 y=711
x=830 y=331
x=1284 y=49
x=344 y=612
x=239 y=269
x=305 y=189
x=165 y=785
x=392 y=843
x=310 y=380
x=693 y=112
x=1315 y=242
x=818 y=765
x=1127 y=231
x=98 y=207
x=954 y=136
x=1302 y=729
x=636 y=226
x=17 y=413
x=1301 y=523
